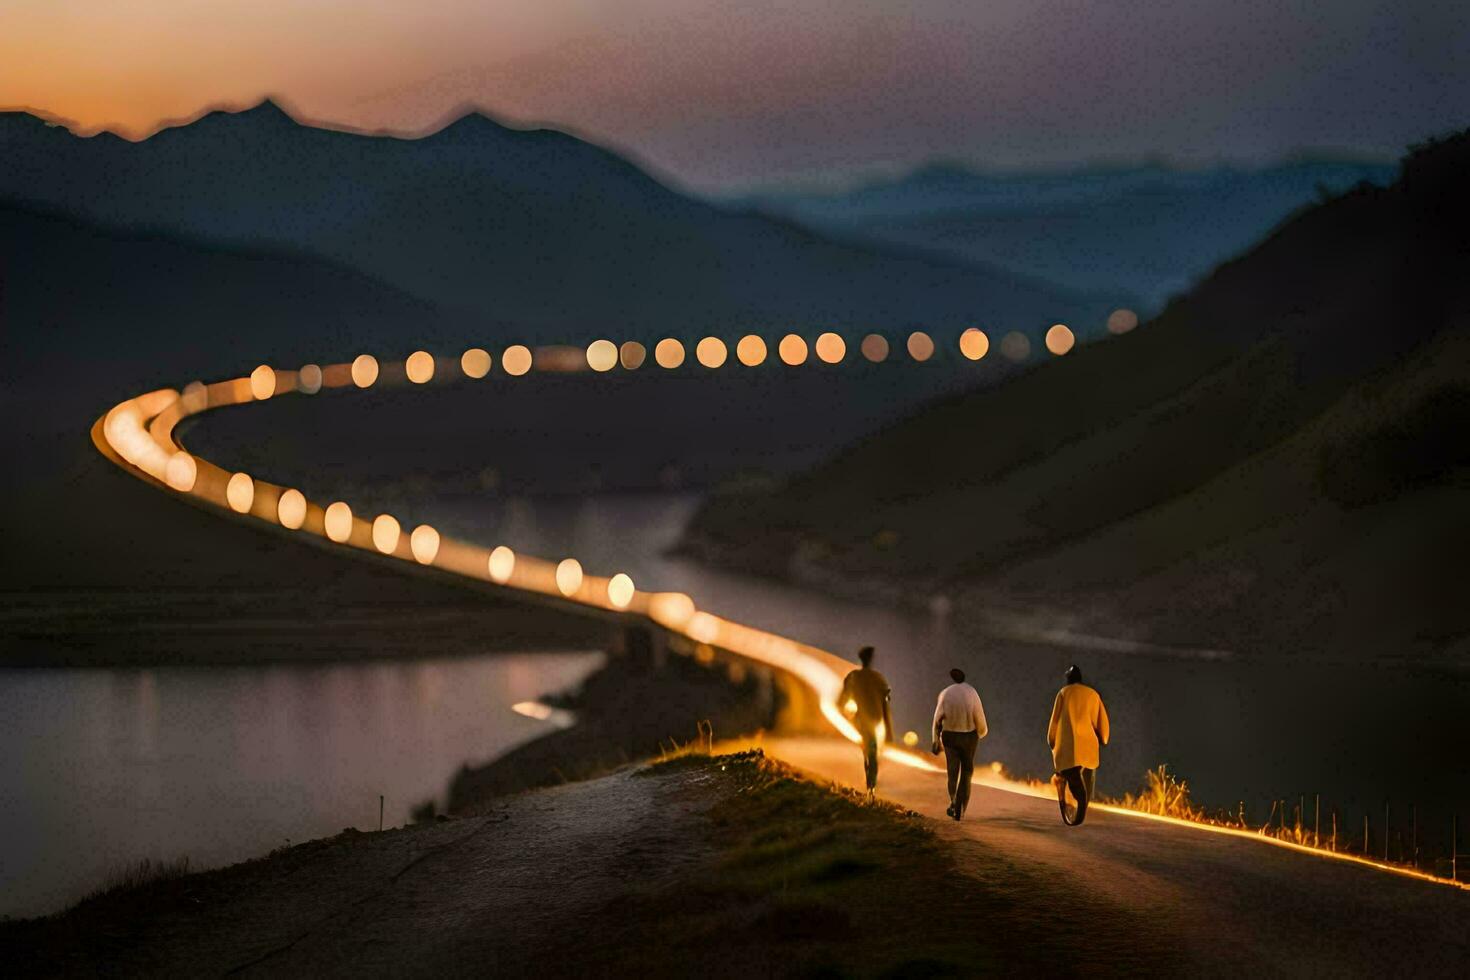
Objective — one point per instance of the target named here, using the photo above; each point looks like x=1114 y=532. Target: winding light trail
x=138 y=435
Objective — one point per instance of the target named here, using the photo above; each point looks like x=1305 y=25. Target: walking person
x=1078 y=727
x=867 y=692
x=959 y=725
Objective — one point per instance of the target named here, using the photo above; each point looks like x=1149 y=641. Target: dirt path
x=1227 y=904
x=493 y=891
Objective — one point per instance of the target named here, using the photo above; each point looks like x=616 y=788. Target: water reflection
x=104 y=767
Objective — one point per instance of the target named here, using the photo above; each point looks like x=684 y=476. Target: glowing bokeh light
x=671 y=609
x=711 y=352
x=669 y=353
x=262 y=382
x=364 y=370
x=501 y=564
x=974 y=344
x=1015 y=346
x=703 y=627
x=181 y=472
x=831 y=348
x=516 y=360
x=419 y=367
x=910 y=739
x=195 y=398
x=569 y=576
x=1122 y=321
x=475 y=363
x=620 y=590
x=386 y=533
x=424 y=543
x=338 y=521
x=875 y=347
x=751 y=350
x=309 y=379
x=632 y=355
x=240 y=493
x=792 y=350
x=921 y=346
x=1059 y=339
x=291 y=509
x=602 y=355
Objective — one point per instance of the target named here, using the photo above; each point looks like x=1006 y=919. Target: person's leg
x=1086 y=781
x=870 y=759
x=952 y=765
x=1072 y=779
x=967 y=742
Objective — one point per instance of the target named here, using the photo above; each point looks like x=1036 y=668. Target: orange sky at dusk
x=717 y=94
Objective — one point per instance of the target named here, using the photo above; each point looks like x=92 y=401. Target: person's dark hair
x=1074 y=674
x=866 y=655
x=957 y=675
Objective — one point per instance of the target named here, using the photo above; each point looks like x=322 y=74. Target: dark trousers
x=959 y=759
x=870 y=757
x=1080 y=781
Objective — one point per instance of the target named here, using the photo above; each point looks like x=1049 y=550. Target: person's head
x=865 y=656
x=957 y=675
x=1074 y=674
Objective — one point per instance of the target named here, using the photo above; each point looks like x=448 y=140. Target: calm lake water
x=219 y=764
x=106 y=766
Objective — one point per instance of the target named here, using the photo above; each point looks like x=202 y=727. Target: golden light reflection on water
x=974 y=344
x=240 y=493
x=338 y=521
x=501 y=564
x=516 y=360
x=475 y=363
x=751 y=350
x=386 y=533
x=711 y=352
x=364 y=370
x=419 y=367
x=602 y=355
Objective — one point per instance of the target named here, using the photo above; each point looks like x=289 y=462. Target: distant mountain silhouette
x=1277 y=463
x=1150 y=230
x=536 y=228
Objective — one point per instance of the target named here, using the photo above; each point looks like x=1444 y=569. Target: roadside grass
x=135 y=876
x=806 y=879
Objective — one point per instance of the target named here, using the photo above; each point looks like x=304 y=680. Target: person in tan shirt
x=868 y=693
x=1078 y=727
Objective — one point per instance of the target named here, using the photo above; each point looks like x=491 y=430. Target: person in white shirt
x=959 y=725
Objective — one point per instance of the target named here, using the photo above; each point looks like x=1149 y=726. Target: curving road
x=1127 y=853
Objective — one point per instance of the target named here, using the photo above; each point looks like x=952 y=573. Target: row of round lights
x=711 y=352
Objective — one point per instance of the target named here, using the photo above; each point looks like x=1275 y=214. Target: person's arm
x=888 y=733
x=845 y=695
x=938 y=723
x=981 y=727
x=1102 y=722
x=1055 y=723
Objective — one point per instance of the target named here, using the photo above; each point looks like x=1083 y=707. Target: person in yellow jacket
x=1079 y=725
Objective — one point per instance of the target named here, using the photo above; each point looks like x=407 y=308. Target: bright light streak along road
x=139 y=434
